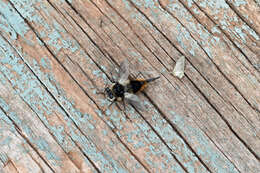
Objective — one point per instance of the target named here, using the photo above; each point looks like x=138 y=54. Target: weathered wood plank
x=248 y=12
x=32 y=66
x=159 y=125
x=169 y=158
x=15 y=152
x=228 y=28
x=225 y=20
x=21 y=114
x=58 y=121
x=55 y=54
x=81 y=7
x=237 y=78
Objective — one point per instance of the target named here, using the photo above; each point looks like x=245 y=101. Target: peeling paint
x=11 y=21
x=217 y=161
x=40 y=142
x=238 y=3
x=81 y=118
x=28 y=87
x=3 y=158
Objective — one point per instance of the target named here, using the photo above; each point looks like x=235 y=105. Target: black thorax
x=118 y=90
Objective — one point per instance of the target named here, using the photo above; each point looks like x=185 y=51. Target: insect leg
x=111 y=104
x=100 y=92
x=118 y=106
x=113 y=80
x=127 y=117
x=124 y=104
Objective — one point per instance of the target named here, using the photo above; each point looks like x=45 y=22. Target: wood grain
x=56 y=55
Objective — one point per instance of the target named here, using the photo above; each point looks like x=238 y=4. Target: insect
x=125 y=88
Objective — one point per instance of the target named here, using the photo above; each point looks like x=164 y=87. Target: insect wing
x=124 y=72
x=134 y=100
x=179 y=67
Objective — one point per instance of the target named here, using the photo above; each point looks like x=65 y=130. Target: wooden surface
x=56 y=54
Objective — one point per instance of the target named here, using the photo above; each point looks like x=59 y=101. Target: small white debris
x=178 y=70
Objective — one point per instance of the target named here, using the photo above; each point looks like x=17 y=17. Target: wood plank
x=16 y=153
x=248 y=11
x=185 y=157
x=117 y=39
x=56 y=55
x=59 y=124
x=32 y=130
x=223 y=18
x=37 y=141
x=167 y=156
x=83 y=107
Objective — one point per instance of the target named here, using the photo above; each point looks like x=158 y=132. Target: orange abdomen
x=137 y=85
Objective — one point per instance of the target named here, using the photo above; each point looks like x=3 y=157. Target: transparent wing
x=124 y=72
x=134 y=100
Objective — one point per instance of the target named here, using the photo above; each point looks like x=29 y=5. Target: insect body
x=125 y=88
x=115 y=92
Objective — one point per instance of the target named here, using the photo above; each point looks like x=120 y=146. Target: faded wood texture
x=56 y=54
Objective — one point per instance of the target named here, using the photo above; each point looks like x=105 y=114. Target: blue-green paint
x=25 y=8
x=140 y=137
x=238 y=3
x=3 y=158
x=217 y=5
x=11 y=22
x=4 y=120
x=97 y=73
x=190 y=3
x=29 y=88
x=55 y=38
x=138 y=165
x=58 y=132
x=251 y=32
x=6 y=141
x=216 y=160
x=215 y=40
x=27 y=11
x=104 y=132
x=116 y=119
x=147 y=137
x=240 y=33
x=208 y=51
x=195 y=10
x=114 y=163
x=41 y=144
x=45 y=63
x=184 y=36
x=139 y=144
x=146 y=130
x=127 y=4
x=215 y=30
x=103 y=68
x=153 y=138
x=175 y=142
